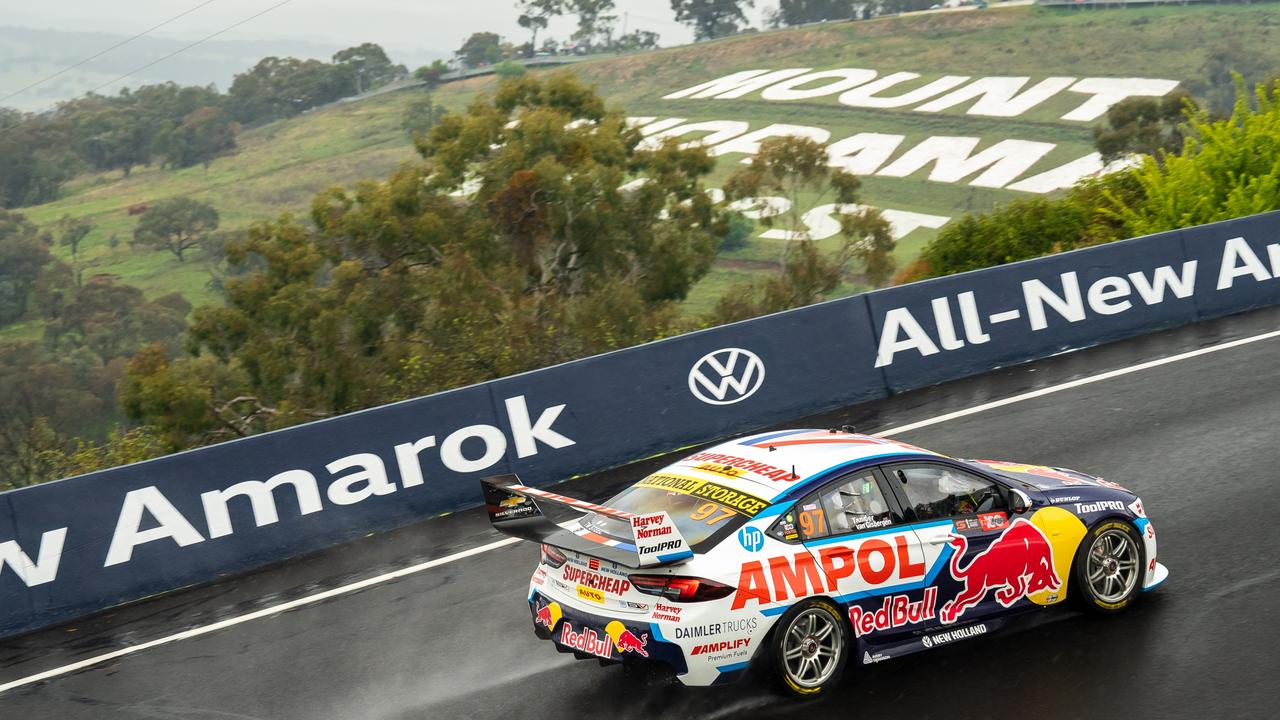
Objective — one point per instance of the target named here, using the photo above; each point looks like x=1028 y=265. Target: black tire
x=1109 y=567
x=822 y=655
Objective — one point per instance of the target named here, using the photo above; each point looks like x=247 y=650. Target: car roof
x=770 y=464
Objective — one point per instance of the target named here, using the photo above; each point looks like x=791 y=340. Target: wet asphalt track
x=1198 y=439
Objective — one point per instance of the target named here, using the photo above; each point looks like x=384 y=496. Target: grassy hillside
x=280 y=166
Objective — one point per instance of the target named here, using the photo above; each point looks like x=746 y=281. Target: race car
x=795 y=552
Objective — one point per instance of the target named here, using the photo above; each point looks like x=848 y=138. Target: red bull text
x=896 y=611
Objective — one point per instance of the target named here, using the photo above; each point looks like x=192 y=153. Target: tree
x=1227 y=168
x=508 y=69
x=113 y=319
x=44 y=399
x=635 y=41
x=1143 y=125
x=1215 y=87
x=122 y=447
x=115 y=136
x=24 y=252
x=278 y=88
x=432 y=75
x=421 y=114
x=799 y=12
x=482 y=48
x=595 y=21
x=177 y=225
x=1022 y=229
x=536 y=14
x=71 y=232
x=204 y=135
x=36 y=158
x=1030 y=228
x=741 y=229
x=711 y=18
x=786 y=172
x=369 y=65
x=509 y=247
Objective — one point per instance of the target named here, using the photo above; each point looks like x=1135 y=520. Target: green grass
x=280 y=167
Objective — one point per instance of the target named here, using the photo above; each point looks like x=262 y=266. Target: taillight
x=680 y=589
x=552 y=557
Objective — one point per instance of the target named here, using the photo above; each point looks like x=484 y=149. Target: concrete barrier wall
x=79 y=545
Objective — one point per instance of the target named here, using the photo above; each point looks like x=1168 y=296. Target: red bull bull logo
x=1016 y=564
x=547 y=616
x=625 y=640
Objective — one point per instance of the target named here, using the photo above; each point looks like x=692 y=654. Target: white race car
x=801 y=549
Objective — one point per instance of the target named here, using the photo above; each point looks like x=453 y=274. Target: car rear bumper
x=591 y=636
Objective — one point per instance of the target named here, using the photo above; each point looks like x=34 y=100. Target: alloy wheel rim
x=811 y=648
x=1113 y=566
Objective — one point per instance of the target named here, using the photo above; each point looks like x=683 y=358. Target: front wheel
x=1108 y=567
x=809 y=648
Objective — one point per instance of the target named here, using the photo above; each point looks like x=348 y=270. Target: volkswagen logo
x=726 y=376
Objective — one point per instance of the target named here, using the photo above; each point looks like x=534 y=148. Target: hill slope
x=280 y=166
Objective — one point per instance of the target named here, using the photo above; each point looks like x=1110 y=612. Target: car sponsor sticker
x=724 y=649
x=751 y=538
x=625 y=641
x=594 y=580
x=548 y=615
x=591 y=595
x=740 y=503
x=1099 y=506
x=869 y=659
x=754 y=467
x=950 y=636
x=876 y=560
x=586 y=640
x=894 y=612
x=657 y=539
x=724 y=627
x=993 y=521
x=1016 y=564
x=663 y=611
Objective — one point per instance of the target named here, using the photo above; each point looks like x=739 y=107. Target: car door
x=869 y=557
x=983 y=563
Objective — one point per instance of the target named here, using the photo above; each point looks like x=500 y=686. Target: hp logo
x=752 y=539
x=726 y=376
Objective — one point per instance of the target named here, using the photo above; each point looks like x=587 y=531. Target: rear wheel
x=1108 y=567
x=809 y=648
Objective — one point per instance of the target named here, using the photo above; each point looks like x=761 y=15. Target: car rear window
x=703 y=511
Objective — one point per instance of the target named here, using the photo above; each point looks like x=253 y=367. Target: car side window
x=851 y=504
x=942 y=491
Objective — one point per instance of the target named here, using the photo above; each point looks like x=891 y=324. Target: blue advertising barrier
x=958 y=325
x=79 y=545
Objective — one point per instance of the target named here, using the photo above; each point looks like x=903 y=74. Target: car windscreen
x=703 y=511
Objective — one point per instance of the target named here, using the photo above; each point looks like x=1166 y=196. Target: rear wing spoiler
x=515 y=509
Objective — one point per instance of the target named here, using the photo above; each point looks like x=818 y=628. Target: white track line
x=265 y=612
x=405 y=572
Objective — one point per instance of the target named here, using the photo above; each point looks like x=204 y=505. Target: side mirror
x=1019 y=502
